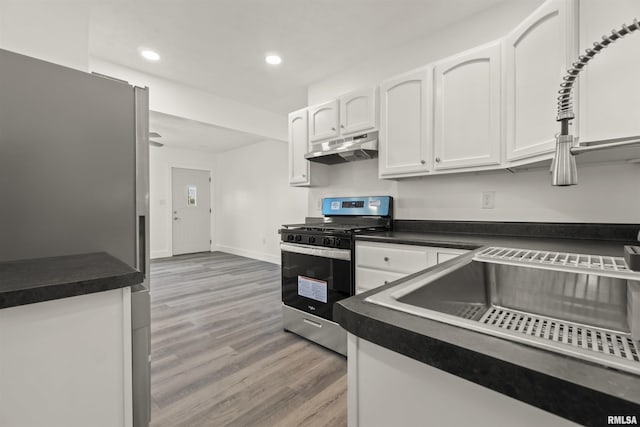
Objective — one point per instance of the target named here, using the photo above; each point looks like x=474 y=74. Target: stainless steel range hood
x=360 y=147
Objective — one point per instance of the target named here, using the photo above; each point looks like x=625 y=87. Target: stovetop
x=343 y=217
x=330 y=233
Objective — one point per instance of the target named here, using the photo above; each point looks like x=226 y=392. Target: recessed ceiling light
x=150 y=55
x=273 y=59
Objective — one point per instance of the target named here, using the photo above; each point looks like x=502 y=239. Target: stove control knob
x=326 y=241
x=298 y=238
x=337 y=243
x=312 y=239
x=290 y=237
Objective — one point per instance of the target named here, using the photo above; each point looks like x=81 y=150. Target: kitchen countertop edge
x=573 y=389
x=100 y=272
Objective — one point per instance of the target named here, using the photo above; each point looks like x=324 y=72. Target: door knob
x=438 y=159
x=175 y=212
x=175 y=218
x=333 y=128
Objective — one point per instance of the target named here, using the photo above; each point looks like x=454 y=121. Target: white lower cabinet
x=380 y=263
x=389 y=389
x=67 y=362
x=369 y=278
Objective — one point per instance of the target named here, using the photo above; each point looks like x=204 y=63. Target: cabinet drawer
x=367 y=279
x=393 y=258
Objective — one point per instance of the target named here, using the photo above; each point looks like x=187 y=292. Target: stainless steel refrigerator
x=74 y=178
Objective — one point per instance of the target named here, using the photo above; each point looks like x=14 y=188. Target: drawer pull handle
x=312 y=323
x=386 y=282
x=386 y=259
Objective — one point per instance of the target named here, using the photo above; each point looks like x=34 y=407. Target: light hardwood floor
x=219 y=355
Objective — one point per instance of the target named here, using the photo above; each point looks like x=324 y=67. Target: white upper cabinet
x=467 y=109
x=358 y=111
x=323 y=121
x=298 y=147
x=537 y=54
x=405 y=123
x=610 y=83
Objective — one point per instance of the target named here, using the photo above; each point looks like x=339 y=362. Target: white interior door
x=191 y=210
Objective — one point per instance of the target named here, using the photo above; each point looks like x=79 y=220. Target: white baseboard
x=274 y=259
x=160 y=254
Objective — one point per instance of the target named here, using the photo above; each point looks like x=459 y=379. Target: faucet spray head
x=563 y=168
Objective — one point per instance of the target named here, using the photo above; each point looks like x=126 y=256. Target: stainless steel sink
x=579 y=305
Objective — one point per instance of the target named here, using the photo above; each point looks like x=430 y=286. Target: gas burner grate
x=578 y=263
x=595 y=339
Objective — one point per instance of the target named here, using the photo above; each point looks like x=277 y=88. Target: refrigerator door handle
x=142 y=247
x=141 y=96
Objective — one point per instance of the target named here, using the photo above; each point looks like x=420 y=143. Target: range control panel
x=357 y=206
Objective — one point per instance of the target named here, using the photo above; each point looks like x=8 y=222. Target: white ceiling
x=179 y=132
x=219 y=45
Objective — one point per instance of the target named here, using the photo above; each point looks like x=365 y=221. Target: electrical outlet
x=488 y=199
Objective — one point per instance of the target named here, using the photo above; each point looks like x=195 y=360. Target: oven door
x=313 y=277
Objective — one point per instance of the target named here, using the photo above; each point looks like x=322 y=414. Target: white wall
x=253 y=199
x=606 y=192
x=160 y=162
x=184 y=101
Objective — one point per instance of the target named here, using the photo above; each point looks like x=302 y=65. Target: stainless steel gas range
x=318 y=265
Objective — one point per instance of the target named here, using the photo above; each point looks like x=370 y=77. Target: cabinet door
x=358 y=111
x=367 y=279
x=467 y=109
x=609 y=89
x=298 y=146
x=537 y=54
x=405 y=123
x=323 y=121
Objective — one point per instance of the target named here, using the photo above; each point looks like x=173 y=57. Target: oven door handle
x=342 y=254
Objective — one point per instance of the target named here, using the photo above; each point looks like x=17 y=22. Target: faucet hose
x=565 y=98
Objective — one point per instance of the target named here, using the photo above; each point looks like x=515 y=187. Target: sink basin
x=578 y=305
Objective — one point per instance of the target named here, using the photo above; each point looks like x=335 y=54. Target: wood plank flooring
x=219 y=355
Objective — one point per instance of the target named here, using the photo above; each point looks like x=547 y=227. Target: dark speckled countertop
x=43 y=279
x=461 y=241
x=571 y=388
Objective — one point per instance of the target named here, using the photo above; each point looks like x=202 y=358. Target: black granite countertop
x=580 y=391
x=470 y=242
x=43 y=279
x=600 y=239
